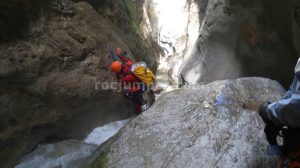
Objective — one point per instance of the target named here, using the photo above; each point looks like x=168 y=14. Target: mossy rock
x=101 y=161
x=132 y=14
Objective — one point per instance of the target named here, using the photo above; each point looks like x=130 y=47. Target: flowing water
x=101 y=134
x=70 y=153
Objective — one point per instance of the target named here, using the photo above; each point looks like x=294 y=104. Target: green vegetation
x=130 y=8
x=16 y=16
x=101 y=161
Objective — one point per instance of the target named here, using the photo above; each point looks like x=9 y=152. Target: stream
x=70 y=153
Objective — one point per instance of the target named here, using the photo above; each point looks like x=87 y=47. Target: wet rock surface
x=197 y=126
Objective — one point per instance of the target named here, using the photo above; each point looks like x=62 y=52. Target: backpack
x=141 y=71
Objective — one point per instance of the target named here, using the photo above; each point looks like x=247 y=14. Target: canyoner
x=136 y=79
x=282 y=118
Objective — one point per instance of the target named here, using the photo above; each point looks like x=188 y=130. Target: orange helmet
x=118 y=51
x=116 y=66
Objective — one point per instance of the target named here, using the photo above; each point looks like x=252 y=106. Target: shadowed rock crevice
x=16 y=17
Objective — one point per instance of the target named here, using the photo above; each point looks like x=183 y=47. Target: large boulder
x=197 y=126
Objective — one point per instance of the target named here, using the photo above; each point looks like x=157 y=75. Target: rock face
x=144 y=49
x=244 y=38
x=197 y=126
x=50 y=80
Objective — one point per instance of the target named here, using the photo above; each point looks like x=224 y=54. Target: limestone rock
x=197 y=126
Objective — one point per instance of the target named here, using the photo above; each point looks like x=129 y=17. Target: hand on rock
x=252 y=106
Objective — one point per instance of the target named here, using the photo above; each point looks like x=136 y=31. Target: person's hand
x=157 y=90
x=252 y=106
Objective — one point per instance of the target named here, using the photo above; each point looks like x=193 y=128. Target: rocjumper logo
x=118 y=86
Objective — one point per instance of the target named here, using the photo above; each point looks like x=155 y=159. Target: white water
x=162 y=77
x=62 y=154
x=70 y=153
x=101 y=134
